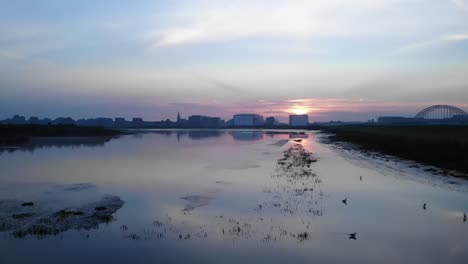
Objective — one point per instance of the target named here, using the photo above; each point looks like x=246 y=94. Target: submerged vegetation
x=295 y=189
x=442 y=146
x=295 y=164
x=39 y=221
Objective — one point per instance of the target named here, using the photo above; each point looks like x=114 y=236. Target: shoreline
x=17 y=135
x=440 y=146
x=445 y=147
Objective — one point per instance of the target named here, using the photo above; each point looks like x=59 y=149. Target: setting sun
x=299 y=110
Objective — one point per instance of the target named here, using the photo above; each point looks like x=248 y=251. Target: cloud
x=430 y=44
x=462 y=4
x=457 y=37
x=325 y=109
x=18 y=42
x=216 y=82
x=219 y=21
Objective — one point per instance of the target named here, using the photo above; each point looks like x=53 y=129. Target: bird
x=424 y=206
x=352 y=236
x=360 y=178
x=464 y=217
x=345 y=201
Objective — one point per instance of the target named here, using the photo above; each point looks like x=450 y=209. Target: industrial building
x=248 y=120
x=204 y=121
x=400 y=120
x=298 y=120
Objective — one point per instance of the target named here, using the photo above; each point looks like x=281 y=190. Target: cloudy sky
x=335 y=59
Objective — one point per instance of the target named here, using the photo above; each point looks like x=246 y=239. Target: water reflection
x=200 y=134
x=247 y=135
x=237 y=135
x=298 y=135
x=294 y=190
x=65 y=142
x=233 y=196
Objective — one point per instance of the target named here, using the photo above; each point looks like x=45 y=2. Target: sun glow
x=299 y=110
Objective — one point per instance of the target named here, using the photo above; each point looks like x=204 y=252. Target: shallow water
x=221 y=196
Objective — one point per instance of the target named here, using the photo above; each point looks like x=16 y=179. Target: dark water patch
x=77 y=187
x=66 y=213
x=280 y=142
x=195 y=201
x=31 y=144
x=224 y=182
x=22 y=215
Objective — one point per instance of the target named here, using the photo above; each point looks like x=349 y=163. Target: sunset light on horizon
x=329 y=59
x=234 y=131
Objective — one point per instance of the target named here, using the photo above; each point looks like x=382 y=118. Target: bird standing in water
x=464 y=217
x=360 y=178
x=424 y=206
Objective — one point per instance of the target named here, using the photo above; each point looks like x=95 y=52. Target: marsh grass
x=442 y=146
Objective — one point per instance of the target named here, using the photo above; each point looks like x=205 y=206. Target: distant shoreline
x=308 y=128
x=442 y=146
x=13 y=135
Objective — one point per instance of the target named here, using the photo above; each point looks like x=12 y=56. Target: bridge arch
x=440 y=112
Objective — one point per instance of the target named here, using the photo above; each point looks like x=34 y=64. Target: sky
x=333 y=59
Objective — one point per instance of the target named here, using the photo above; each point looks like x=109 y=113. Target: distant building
x=120 y=122
x=137 y=121
x=413 y=121
x=204 y=121
x=298 y=120
x=270 y=121
x=46 y=121
x=16 y=120
x=248 y=120
x=63 y=121
x=34 y=120
x=399 y=120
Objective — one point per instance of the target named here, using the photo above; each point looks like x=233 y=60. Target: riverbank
x=442 y=146
x=19 y=134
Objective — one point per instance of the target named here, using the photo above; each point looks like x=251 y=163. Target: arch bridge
x=440 y=112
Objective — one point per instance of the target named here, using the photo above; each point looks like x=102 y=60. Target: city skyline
x=281 y=116
x=432 y=115
x=335 y=60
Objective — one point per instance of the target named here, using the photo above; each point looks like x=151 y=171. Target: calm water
x=222 y=197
